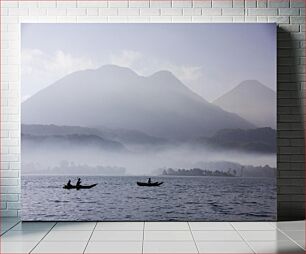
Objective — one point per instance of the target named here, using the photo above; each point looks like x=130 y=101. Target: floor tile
x=168 y=236
x=169 y=247
x=166 y=226
x=5 y=226
x=8 y=224
x=211 y=226
x=3 y=230
x=22 y=236
x=101 y=236
x=120 y=226
x=291 y=225
x=60 y=247
x=17 y=247
x=223 y=247
x=297 y=235
x=69 y=236
x=114 y=247
x=9 y=220
x=273 y=224
x=301 y=243
x=33 y=226
x=253 y=226
x=216 y=236
x=273 y=235
x=63 y=226
x=276 y=247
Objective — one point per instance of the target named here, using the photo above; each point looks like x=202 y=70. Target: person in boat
x=69 y=183
x=149 y=181
x=79 y=182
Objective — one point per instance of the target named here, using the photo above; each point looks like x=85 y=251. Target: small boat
x=79 y=187
x=149 y=184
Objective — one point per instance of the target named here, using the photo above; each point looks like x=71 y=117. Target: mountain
x=70 y=142
x=252 y=101
x=116 y=97
x=119 y=135
x=261 y=140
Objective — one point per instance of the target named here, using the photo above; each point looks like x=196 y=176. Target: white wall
x=289 y=14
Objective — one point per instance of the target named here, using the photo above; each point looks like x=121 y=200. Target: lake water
x=178 y=199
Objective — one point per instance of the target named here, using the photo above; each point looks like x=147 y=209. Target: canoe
x=149 y=184
x=79 y=187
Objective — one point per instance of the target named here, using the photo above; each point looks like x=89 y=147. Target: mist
x=140 y=160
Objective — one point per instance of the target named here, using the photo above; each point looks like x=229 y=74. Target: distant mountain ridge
x=71 y=141
x=253 y=101
x=121 y=135
x=116 y=97
x=261 y=140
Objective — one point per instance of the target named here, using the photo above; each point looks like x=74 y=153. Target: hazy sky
x=209 y=58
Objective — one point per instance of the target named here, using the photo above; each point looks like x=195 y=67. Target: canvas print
x=148 y=122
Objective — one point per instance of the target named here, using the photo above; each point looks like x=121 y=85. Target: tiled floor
x=152 y=237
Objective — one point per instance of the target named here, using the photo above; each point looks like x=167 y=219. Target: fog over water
x=143 y=161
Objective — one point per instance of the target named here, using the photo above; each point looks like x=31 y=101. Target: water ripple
x=178 y=199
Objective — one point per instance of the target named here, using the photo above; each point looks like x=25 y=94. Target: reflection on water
x=178 y=199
